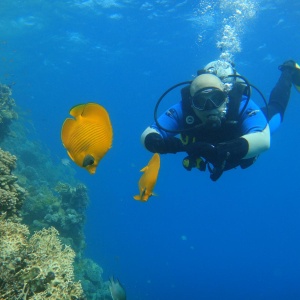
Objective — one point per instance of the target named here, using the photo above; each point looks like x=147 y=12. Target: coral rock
x=11 y=194
x=36 y=268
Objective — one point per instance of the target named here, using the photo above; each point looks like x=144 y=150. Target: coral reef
x=11 y=194
x=7 y=113
x=90 y=276
x=63 y=208
x=39 y=267
x=34 y=157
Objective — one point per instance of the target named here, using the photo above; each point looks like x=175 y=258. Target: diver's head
x=209 y=100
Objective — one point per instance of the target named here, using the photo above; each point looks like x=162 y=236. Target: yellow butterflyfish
x=88 y=136
x=148 y=179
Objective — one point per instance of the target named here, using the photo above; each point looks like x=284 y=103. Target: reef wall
x=12 y=195
x=7 y=112
x=42 y=217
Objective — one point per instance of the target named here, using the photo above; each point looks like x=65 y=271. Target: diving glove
x=154 y=142
x=294 y=69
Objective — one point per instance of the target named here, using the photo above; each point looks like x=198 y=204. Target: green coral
x=39 y=267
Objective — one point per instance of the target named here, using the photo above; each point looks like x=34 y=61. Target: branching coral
x=37 y=268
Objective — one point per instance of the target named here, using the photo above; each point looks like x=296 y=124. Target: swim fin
x=294 y=70
x=296 y=77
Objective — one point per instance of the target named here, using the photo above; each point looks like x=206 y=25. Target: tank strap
x=235 y=98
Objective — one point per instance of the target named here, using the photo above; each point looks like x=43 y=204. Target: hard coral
x=11 y=194
x=7 y=162
x=36 y=268
x=63 y=209
x=7 y=114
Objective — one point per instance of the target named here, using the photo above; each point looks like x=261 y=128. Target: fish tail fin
x=141 y=198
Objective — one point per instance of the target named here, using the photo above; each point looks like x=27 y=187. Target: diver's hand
x=208 y=151
x=211 y=154
x=215 y=155
x=154 y=142
x=205 y=150
x=191 y=162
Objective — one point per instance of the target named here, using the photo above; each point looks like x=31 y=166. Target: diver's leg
x=279 y=98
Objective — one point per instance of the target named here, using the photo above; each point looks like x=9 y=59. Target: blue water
x=238 y=238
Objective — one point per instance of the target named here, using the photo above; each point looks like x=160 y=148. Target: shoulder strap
x=186 y=98
x=189 y=116
x=235 y=98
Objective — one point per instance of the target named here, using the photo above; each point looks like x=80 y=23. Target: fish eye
x=88 y=160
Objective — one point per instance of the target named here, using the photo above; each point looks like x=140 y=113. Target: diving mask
x=208 y=98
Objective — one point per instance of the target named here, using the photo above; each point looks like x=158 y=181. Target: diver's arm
x=228 y=155
x=154 y=142
x=258 y=142
x=156 y=139
x=254 y=131
x=254 y=139
x=232 y=151
x=245 y=147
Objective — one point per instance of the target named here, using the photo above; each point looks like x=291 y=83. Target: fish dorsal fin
x=77 y=110
x=92 y=111
x=144 y=169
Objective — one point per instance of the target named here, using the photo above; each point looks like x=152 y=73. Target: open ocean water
x=237 y=238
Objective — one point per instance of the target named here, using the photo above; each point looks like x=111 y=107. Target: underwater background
x=237 y=238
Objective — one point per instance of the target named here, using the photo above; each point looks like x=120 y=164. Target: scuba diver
x=220 y=127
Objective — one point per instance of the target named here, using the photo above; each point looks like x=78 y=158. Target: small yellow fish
x=148 y=179
x=88 y=136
